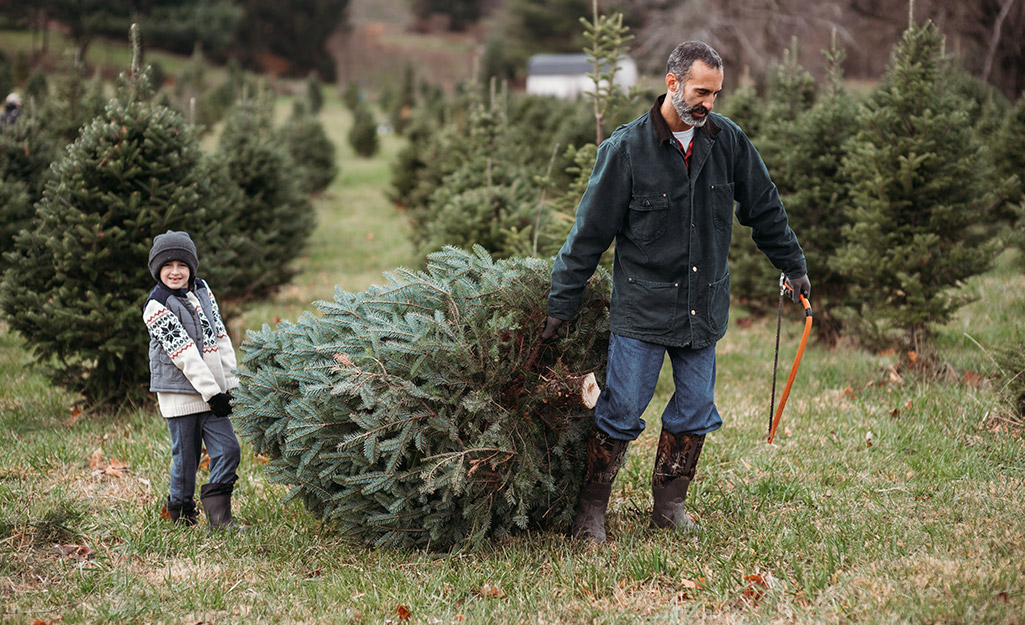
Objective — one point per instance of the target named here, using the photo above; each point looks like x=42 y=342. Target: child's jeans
x=188 y=434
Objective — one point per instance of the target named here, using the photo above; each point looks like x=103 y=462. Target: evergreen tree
x=922 y=201
x=806 y=155
x=79 y=275
x=790 y=93
x=26 y=150
x=304 y=139
x=486 y=199
x=74 y=102
x=37 y=88
x=314 y=93
x=746 y=108
x=363 y=134
x=1009 y=148
x=427 y=411
x=271 y=212
x=6 y=75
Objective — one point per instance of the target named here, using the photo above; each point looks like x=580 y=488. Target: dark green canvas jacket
x=672 y=227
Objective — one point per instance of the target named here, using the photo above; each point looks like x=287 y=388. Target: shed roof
x=558 y=64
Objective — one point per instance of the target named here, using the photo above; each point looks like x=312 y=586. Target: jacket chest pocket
x=648 y=216
x=721 y=200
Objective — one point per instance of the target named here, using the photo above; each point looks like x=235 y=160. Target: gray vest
x=164 y=375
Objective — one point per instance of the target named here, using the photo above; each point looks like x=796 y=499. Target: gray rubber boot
x=675 y=465
x=604 y=458
x=183 y=515
x=217 y=504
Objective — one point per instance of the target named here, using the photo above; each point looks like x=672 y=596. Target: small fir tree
x=363 y=134
x=272 y=212
x=79 y=275
x=76 y=100
x=37 y=88
x=806 y=156
x=921 y=200
x=1009 y=148
x=428 y=412
x=304 y=139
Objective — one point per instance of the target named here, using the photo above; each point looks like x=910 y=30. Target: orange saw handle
x=793 y=370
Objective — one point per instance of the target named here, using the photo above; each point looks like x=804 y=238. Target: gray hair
x=684 y=55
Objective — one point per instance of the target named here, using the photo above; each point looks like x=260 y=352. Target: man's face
x=694 y=99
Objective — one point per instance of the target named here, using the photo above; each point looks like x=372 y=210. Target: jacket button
x=695 y=269
x=676 y=284
x=693 y=312
x=663 y=195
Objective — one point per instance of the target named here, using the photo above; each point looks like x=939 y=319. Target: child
x=192 y=364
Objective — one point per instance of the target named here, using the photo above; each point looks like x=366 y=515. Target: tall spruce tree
x=428 y=411
x=921 y=200
x=79 y=275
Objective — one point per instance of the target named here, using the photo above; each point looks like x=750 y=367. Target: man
x=663 y=188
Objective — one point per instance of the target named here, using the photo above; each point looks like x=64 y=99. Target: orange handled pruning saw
x=774 y=419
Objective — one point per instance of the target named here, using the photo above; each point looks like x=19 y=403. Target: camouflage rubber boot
x=675 y=464
x=604 y=458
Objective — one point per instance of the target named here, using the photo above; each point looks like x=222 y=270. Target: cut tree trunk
x=572 y=390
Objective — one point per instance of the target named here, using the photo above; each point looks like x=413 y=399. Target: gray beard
x=686 y=112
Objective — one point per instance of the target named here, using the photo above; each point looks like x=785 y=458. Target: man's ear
x=671 y=82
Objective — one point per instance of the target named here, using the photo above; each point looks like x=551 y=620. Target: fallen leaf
x=787 y=432
x=78 y=552
x=869 y=438
x=204 y=462
x=403 y=612
x=688 y=584
x=745 y=322
x=164 y=514
x=913 y=356
x=847 y=393
x=262 y=459
x=343 y=359
x=971 y=378
x=96 y=459
x=489 y=590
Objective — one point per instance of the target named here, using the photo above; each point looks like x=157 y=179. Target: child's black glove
x=220 y=404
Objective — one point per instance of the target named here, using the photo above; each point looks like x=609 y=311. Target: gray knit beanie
x=173 y=246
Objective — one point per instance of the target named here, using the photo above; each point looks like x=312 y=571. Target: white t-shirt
x=685 y=137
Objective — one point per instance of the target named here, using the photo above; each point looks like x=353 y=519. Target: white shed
x=565 y=75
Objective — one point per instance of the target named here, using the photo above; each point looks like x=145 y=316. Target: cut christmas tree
x=428 y=411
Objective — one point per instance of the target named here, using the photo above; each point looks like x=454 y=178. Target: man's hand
x=220 y=404
x=800 y=285
x=553 y=327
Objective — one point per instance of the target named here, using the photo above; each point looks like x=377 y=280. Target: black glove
x=220 y=404
x=553 y=327
x=798 y=286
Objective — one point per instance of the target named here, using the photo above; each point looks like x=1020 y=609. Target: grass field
x=886 y=499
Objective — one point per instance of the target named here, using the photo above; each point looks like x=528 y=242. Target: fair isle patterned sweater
x=191 y=355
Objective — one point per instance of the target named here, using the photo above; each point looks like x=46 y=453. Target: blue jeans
x=631 y=375
x=188 y=434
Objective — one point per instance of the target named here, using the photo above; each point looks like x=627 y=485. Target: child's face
x=175 y=274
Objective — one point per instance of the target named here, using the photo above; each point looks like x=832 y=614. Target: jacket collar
x=710 y=129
